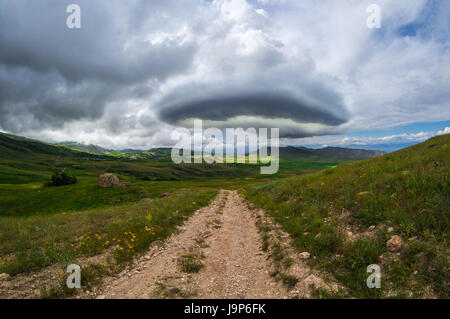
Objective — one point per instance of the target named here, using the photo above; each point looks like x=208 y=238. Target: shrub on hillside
x=61 y=179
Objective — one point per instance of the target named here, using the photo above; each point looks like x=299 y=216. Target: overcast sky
x=137 y=70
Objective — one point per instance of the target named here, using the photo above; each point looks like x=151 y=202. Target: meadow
x=342 y=212
x=41 y=226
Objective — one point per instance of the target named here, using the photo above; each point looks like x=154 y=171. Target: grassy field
x=25 y=169
x=319 y=201
x=23 y=193
x=329 y=214
x=31 y=243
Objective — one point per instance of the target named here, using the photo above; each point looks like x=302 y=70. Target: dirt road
x=218 y=253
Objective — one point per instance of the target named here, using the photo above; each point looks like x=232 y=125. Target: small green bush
x=61 y=179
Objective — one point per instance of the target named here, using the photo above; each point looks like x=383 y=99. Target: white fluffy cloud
x=387 y=142
x=444 y=131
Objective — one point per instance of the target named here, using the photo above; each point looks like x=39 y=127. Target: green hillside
x=85 y=148
x=329 y=214
x=154 y=153
x=14 y=146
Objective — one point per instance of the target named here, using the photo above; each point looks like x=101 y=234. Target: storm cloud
x=138 y=70
x=264 y=104
x=250 y=105
x=51 y=75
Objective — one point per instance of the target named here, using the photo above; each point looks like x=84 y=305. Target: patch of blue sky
x=432 y=22
x=413 y=128
x=387 y=140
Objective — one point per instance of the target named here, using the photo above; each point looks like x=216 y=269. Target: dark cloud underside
x=263 y=104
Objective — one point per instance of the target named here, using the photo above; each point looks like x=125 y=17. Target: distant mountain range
x=10 y=144
x=91 y=148
x=330 y=152
x=290 y=151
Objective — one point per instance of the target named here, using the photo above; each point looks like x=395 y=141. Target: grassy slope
x=407 y=190
x=31 y=243
x=15 y=146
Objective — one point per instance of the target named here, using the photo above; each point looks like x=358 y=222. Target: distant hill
x=154 y=153
x=159 y=152
x=128 y=150
x=10 y=144
x=17 y=146
x=95 y=149
x=295 y=152
x=329 y=152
